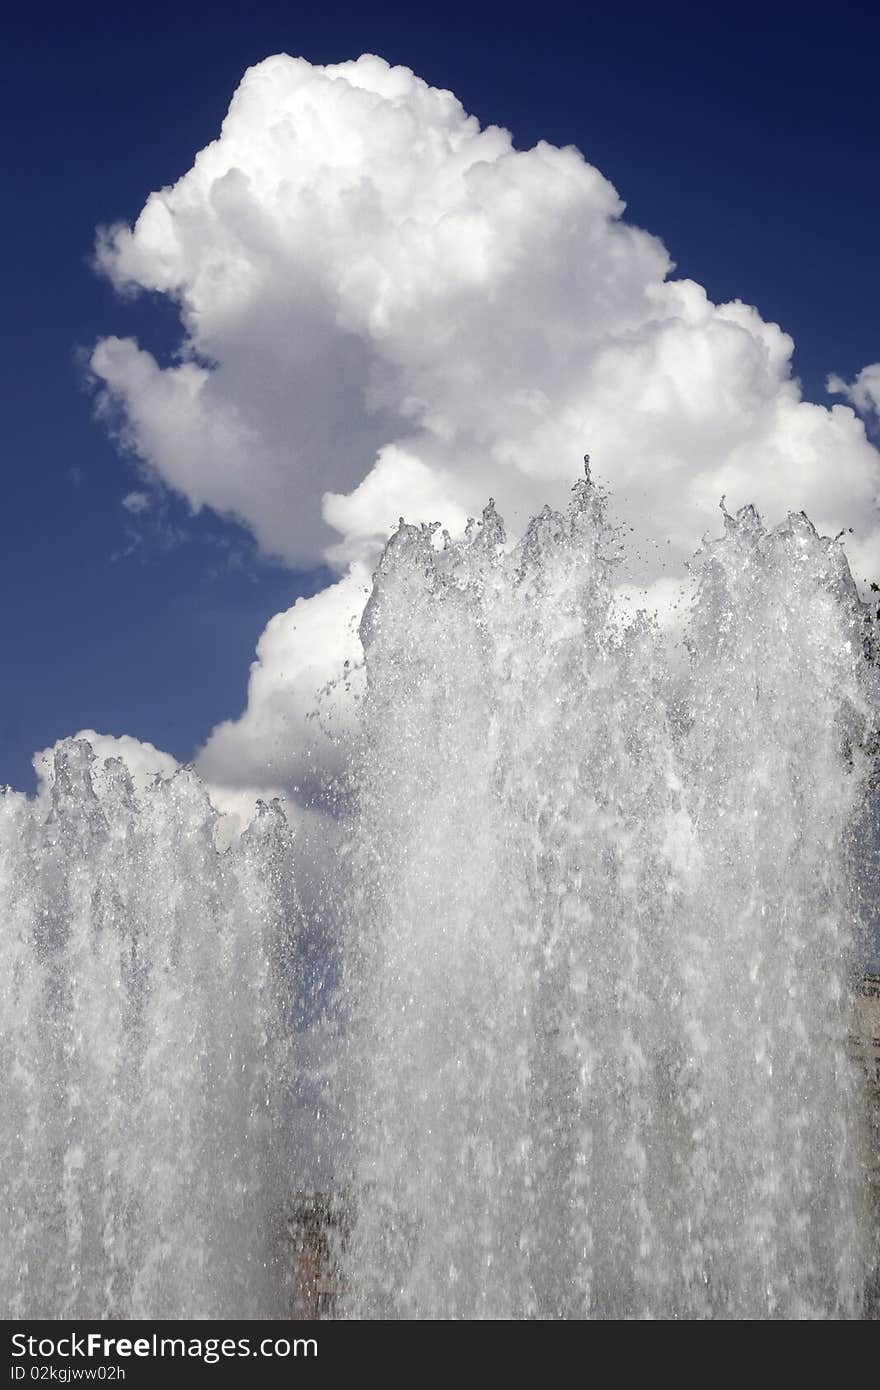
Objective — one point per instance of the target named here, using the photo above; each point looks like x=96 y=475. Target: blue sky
x=743 y=136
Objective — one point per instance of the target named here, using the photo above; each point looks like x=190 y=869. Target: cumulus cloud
x=300 y=697
x=387 y=309
x=863 y=392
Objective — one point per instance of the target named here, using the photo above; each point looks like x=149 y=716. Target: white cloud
x=300 y=697
x=864 y=391
x=398 y=480
x=389 y=310
x=137 y=503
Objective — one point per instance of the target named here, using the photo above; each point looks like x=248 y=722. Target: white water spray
x=599 y=912
x=605 y=934
x=143 y=1051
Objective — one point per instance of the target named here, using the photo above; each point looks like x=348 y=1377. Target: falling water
x=598 y=909
x=142 y=1050
x=605 y=925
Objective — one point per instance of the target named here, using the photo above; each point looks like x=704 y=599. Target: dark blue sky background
x=745 y=136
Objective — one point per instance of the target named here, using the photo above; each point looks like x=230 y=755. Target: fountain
x=143 y=1049
x=599 y=909
x=606 y=924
